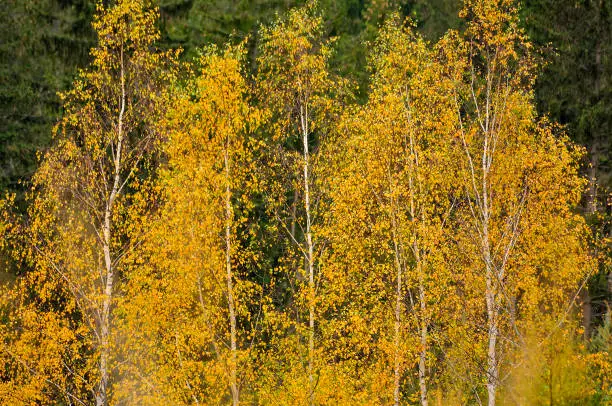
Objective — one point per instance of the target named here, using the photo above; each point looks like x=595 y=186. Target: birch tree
x=191 y=299
x=493 y=35
x=390 y=207
x=75 y=237
x=504 y=164
x=293 y=83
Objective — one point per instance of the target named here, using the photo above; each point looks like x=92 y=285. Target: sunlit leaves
x=268 y=241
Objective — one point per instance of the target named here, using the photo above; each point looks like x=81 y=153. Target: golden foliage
x=197 y=235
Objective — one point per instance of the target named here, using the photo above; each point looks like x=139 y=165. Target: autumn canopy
x=243 y=228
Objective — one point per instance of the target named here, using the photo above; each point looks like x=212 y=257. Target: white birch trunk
x=309 y=263
x=105 y=319
x=397 y=333
x=490 y=276
x=413 y=183
x=230 y=287
x=424 y=332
